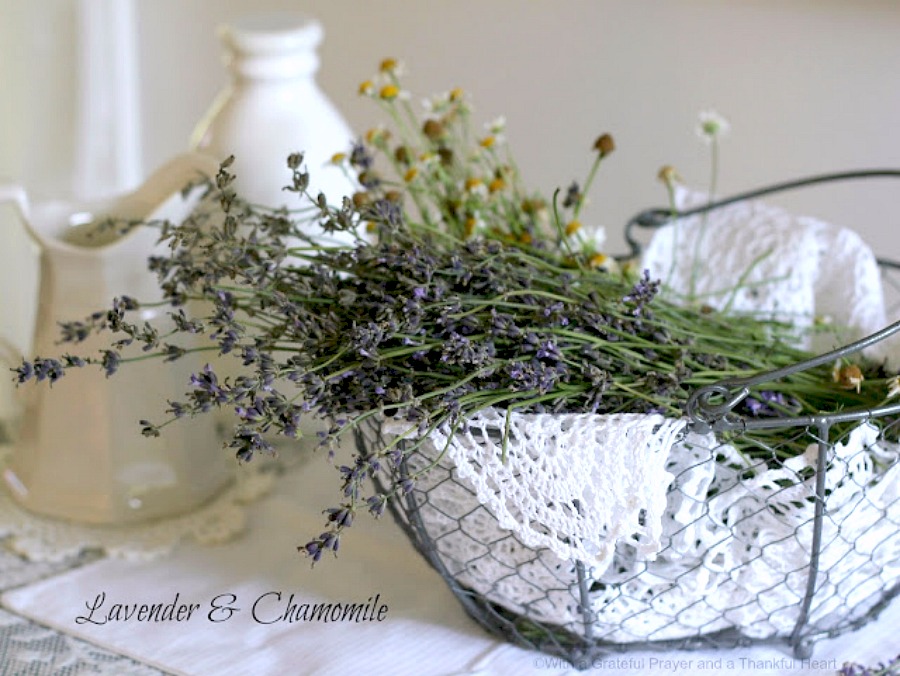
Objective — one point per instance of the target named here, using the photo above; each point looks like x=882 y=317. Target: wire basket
x=785 y=552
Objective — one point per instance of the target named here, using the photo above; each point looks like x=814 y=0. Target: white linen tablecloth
x=424 y=630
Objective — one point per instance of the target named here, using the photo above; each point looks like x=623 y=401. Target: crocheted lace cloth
x=223 y=518
x=748 y=539
x=757 y=258
x=574 y=484
x=662 y=519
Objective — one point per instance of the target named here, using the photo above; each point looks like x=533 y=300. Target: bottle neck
x=272 y=67
x=271 y=47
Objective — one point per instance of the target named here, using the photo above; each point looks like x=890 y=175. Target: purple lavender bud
x=25 y=372
x=111 y=360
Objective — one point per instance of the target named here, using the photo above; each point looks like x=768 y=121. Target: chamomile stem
x=704 y=219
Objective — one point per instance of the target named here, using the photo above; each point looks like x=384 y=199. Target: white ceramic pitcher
x=79 y=453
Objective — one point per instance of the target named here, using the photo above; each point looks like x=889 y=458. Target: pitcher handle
x=171 y=178
x=15 y=193
x=14 y=337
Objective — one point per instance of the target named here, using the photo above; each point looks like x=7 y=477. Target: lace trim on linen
x=29 y=648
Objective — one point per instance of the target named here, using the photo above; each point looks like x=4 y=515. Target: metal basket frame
x=709 y=409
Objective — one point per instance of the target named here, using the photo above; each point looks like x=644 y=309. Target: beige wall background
x=808 y=86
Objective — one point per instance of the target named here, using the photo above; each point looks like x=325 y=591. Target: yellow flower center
x=604 y=145
x=433 y=129
x=532 y=206
x=668 y=174
x=849 y=377
x=388 y=65
x=573 y=227
x=366 y=88
x=496 y=185
x=456 y=94
x=389 y=92
x=473 y=183
x=597 y=260
x=410 y=174
x=487 y=141
x=338 y=158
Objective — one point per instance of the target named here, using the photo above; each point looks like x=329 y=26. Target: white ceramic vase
x=272 y=108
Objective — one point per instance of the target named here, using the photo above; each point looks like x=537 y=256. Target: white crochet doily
x=223 y=518
x=757 y=258
x=663 y=520
x=737 y=548
x=575 y=484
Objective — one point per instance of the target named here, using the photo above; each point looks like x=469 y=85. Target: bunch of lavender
x=466 y=292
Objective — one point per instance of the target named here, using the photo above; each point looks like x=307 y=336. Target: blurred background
x=809 y=86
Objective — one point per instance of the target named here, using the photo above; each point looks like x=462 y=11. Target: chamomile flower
x=441 y=103
x=893 y=387
x=389 y=92
x=433 y=129
x=848 y=376
x=378 y=136
x=429 y=159
x=711 y=125
x=593 y=240
x=669 y=175
x=472 y=225
x=437 y=103
x=496 y=185
x=596 y=237
x=604 y=144
x=392 y=67
x=598 y=260
x=494 y=136
x=475 y=186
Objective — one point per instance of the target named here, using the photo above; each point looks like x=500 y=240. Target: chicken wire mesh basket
x=752 y=552
x=778 y=547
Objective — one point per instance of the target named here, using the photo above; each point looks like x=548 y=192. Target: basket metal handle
x=710 y=408
x=658 y=217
